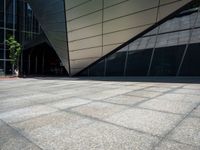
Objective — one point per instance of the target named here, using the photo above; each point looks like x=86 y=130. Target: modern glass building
x=104 y=37
x=16 y=19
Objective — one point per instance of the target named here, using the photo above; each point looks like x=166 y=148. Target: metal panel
x=85 y=43
x=128 y=7
x=107 y=49
x=139 y=19
x=69 y=4
x=85 y=32
x=86 y=53
x=85 y=21
x=108 y=3
x=168 y=9
x=166 y=1
x=86 y=8
x=82 y=63
x=122 y=36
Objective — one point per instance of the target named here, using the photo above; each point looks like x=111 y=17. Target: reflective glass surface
x=191 y=63
x=138 y=62
x=166 y=61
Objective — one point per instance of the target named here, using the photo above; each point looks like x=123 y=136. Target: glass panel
x=166 y=61
x=138 y=62
x=7 y=54
x=97 y=69
x=1 y=35
x=9 y=33
x=1 y=64
x=8 y=67
x=1 y=53
x=9 y=21
x=9 y=13
x=115 y=64
x=84 y=73
x=1 y=19
x=191 y=62
x=1 y=5
x=1 y=68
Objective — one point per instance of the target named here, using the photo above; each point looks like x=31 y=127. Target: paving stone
x=170 y=85
x=188 y=91
x=171 y=145
x=70 y=102
x=172 y=106
x=17 y=143
x=93 y=136
x=10 y=139
x=180 y=97
x=192 y=86
x=196 y=112
x=25 y=101
x=126 y=100
x=25 y=113
x=156 y=123
x=187 y=132
x=28 y=120
x=99 y=110
x=158 y=89
x=106 y=94
x=53 y=124
x=143 y=93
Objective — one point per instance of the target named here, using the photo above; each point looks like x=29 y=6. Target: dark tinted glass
x=166 y=61
x=84 y=73
x=138 y=62
x=115 y=64
x=1 y=5
x=1 y=19
x=1 y=54
x=1 y=35
x=7 y=54
x=1 y=66
x=97 y=69
x=9 y=33
x=191 y=63
x=8 y=67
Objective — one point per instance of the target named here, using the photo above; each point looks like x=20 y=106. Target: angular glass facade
x=170 y=49
x=17 y=19
x=103 y=38
x=83 y=31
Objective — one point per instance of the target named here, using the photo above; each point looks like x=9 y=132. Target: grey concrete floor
x=99 y=114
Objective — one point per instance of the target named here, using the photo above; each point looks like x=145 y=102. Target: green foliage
x=15 y=50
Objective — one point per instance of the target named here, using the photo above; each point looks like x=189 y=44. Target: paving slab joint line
x=43 y=115
x=74 y=106
x=110 y=123
x=119 y=94
x=166 y=112
x=148 y=99
x=178 y=123
x=18 y=131
x=182 y=143
x=132 y=106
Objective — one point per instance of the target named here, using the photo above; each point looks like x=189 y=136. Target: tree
x=15 y=52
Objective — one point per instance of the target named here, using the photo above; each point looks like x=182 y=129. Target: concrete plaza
x=100 y=114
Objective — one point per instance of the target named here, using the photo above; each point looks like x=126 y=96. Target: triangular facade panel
x=104 y=25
